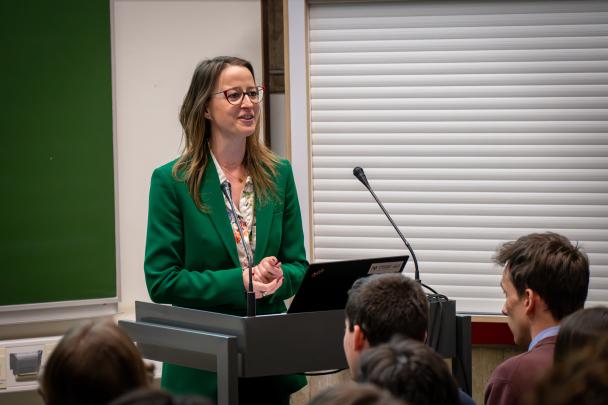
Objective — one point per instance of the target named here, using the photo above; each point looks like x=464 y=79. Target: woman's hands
x=267 y=277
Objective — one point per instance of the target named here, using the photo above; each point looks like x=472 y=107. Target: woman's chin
x=247 y=130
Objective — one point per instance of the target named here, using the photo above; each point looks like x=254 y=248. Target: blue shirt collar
x=545 y=333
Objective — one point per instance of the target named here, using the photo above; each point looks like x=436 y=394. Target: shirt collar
x=545 y=333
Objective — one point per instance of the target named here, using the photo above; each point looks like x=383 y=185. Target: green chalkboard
x=57 y=232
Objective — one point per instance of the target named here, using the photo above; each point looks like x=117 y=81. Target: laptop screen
x=325 y=285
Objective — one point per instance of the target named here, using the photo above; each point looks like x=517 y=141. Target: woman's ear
x=206 y=113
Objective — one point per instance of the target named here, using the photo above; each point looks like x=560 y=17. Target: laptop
x=325 y=285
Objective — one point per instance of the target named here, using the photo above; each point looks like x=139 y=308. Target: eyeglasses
x=236 y=95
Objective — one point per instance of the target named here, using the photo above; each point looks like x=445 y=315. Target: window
x=476 y=123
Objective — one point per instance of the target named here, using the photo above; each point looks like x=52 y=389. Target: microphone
x=227 y=190
x=360 y=175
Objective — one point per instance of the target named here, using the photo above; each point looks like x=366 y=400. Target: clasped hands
x=267 y=277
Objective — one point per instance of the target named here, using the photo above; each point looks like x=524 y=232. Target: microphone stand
x=360 y=175
x=251 y=303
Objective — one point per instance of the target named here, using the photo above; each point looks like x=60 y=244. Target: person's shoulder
x=283 y=172
x=164 y=173
x=166 y=168
x=515 y=374
x=542 y=353
x=464 y=398
x=499 y=388
x=283 y=165
x=547 y=343
x=507 y=367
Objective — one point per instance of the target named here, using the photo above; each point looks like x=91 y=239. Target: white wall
x=298 y=100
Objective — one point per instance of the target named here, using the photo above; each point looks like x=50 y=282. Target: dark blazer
x=516 y=376
x=192 y=261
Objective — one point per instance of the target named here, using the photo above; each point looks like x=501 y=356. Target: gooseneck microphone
x=360 y=174
x=227 y=190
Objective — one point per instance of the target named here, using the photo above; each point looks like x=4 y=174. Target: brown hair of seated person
x=581 y=378
x=351 y=393
x=387 y=304
x=579 y=329
x=93 y=364
x=151 y=396
x=410 y=370
x=550 y=265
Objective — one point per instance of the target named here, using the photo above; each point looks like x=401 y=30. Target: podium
x=263 y=345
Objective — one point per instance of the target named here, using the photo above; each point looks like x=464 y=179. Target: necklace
x=232 y=176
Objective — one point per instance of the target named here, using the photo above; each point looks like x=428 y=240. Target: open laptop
x=325 y=285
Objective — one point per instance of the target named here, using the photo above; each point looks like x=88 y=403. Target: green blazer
x=192 y=261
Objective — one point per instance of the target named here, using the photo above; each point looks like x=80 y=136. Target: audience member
x=380 y=307
x=355 y=394
x=93 y=364
x=410 y=370
x=579 y=329
x=544 y=279
x=581 y=377
x=151 y=396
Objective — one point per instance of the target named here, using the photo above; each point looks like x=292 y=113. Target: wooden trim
x=347 y=1
x=287 y=129
x=489 y=318
x=308 y=133
x=265 y=75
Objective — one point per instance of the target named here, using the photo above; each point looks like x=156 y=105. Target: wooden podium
x=263 y=345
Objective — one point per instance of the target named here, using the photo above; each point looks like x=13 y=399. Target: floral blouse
x=245 y=213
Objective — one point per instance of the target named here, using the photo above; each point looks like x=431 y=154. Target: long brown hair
x=259 y=161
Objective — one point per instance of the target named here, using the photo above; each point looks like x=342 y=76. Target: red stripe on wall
x=490 y=333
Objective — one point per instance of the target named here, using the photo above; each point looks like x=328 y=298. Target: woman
x=93 y=364
x=194 y=254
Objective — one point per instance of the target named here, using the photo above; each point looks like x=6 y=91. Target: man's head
x=351 y=393
x=93 y=364
x=410 y=370
x=380 y=307
x=545 y=278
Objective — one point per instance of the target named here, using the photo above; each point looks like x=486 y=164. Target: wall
x=156 y=45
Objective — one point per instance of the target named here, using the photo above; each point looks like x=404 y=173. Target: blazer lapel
x=263 y=219
x=213 y=199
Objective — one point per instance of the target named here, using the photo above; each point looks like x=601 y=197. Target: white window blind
x=476 y=123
